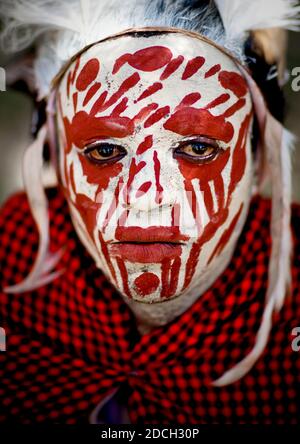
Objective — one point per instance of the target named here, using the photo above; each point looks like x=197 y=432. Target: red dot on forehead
x=146 y=283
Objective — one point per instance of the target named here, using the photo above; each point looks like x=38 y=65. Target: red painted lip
x=145 y=252
x=150 y=234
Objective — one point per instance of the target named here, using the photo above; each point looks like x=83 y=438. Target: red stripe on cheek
x=124 y=276
x=175 y=269
x=106 y=255
x=191 y=197
x=239 y=155
x=100 y=175
x=88 y=210
x=159 y=188
x=189 y=121
x=219 y=191
x=208 y=199
x=165 y=276
x=114 y=204
x=205 y=172
x=225 y=236
x=192 y=67
x=134 y=169
x=192 y=263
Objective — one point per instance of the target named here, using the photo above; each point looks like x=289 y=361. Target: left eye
x=197 y=151
x=104 y=152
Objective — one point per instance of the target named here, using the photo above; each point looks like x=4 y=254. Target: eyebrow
x=188 y=121
x=84 y=128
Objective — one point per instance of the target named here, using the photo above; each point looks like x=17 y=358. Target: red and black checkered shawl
x=74 y=341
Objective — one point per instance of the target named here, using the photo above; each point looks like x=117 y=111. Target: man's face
x=155 y=159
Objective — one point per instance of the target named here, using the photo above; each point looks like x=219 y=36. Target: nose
x=146 y=188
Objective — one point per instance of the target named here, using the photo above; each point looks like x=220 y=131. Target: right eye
x=99 y=152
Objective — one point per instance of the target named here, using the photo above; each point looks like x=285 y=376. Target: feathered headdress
x=60 y=29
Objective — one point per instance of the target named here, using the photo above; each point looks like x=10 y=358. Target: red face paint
x=148 y=59
x=192 y=121
x=147 y=99
x=88 y=74
x=146 y=283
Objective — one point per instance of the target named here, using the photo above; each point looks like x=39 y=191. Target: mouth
x=146 y=252
x=150 y=234
x=147 y=245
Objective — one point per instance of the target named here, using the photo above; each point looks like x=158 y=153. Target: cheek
x=99 y=175
x=87 y=185
x=217 y=182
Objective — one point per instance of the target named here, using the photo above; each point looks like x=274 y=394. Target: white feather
x=45 y=261
x=278 y=143
x=242 y=16
x=61 y=28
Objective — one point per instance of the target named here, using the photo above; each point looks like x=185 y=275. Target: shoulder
x=257 y=228
x=19 y=234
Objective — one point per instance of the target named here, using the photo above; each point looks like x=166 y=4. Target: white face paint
x=155 y=160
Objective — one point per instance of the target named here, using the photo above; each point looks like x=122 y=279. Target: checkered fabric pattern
x=74 y=341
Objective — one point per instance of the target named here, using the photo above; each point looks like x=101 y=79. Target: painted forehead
x=166 y=82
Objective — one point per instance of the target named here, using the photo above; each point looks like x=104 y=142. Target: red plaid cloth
x=74 y=341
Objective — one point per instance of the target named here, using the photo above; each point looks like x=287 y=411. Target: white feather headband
x=61 y=28
x=239 y=18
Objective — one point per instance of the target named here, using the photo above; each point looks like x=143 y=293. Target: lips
x=147 y=245
x=150 y=234
x=145 y=252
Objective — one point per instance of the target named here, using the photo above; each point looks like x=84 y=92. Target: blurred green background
x=15 y=121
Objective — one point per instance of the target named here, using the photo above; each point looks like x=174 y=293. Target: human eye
x=104 y=152
x=197 y=150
